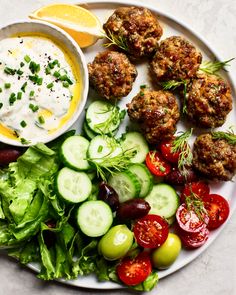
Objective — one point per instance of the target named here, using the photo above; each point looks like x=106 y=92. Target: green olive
x=167 y=253
x=116 y=242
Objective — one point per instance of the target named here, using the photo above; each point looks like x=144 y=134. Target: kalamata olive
x=133 y=209
x=177 y=177
x=109 y=195
x=8 y=155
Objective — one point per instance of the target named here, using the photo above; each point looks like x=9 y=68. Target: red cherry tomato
x=156 y=164
x=133 y=271
x=217 y=208
x=166 y=150
x=198 y=188
x=151 y=231
x=189 y=220
x=194 y=240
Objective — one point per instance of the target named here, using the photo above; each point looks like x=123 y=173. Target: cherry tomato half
x=198 y=188
x=189 y=220
x=133 y=271
x=194 y=240
x=156 y=164
x=151 y=231
x=217 y=208
x=166 y=150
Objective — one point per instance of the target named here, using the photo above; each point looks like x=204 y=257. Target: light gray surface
x=212 y=273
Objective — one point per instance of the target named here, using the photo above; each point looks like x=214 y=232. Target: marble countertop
x=213 y=272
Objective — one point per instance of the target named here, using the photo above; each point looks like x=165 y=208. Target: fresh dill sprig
x=228 y=135
x=111 y=165
x=115 y=117
x=172 y=85
x=116 y=40
x=211 y=68
x=180 y=145
x=194 y=203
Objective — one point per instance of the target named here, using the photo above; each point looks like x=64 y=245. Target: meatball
x=112 y=74
x=208 y=101
x=175 y=59
x=157 y=113
x=214 y=158
x=138 y=29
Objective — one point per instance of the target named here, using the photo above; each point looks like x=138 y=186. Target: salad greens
x=37 y=226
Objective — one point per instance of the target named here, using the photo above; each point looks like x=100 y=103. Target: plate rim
x=114 y=286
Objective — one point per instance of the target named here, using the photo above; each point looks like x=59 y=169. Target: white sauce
x=53 y=103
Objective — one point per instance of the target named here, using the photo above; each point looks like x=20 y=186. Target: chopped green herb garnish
x=162 y=168
x=56 y=62
x=34 y=68
x=56 y=74
x=27 y=58
x=41 y=119
x=7 y=85
x=22 y=64
x=141 y=93
x=24 y=141
x=31 y=93
x=9 y=71
x=24 y=86
x=40 y=81
x=34 y=108
x=65 y=84
x=47 y=71
x=1 y=105
x=50 y=85
x=19 y=95
x=143 y=86
x=51 y=65
x=19 y=72
x=12 y=98
x=63 y=77
x=100 y=148
x=23 y=124
x=0 y=89
x=36 y=79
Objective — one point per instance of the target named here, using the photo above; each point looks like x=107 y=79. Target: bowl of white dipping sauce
x=43 y=82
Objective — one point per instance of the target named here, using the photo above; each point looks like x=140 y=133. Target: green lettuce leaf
x=150 y=282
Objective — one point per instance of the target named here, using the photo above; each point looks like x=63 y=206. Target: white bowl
x=72 y=48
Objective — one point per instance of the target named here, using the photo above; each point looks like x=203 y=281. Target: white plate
x=171 y=26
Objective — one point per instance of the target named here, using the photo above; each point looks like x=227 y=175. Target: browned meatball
x=208 y=101
x=175 y=59
x=112 y=74
x=214 y=158
x=157 y=113
x=137 y=27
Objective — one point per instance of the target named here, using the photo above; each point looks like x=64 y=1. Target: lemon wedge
x=78 y=22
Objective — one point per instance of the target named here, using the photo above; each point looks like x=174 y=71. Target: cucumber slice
x=126 y=185
x=94 y=218
x=88 y=132
x=103 y=146
x=68 y=185
x=163 y=200
x=74 y=152
x=144 y=177
x=135 y=140
x=102 y=117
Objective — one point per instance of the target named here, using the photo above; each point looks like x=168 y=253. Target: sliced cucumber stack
x=74 y=152
x=135 y=140
x=163 y=200
x=103 y=117
x=144 y=177
x=94 y=218
x=73 y=186
x=88 y=132
x=126 y=184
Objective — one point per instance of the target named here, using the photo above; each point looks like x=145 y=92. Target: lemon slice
x=78 y=22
